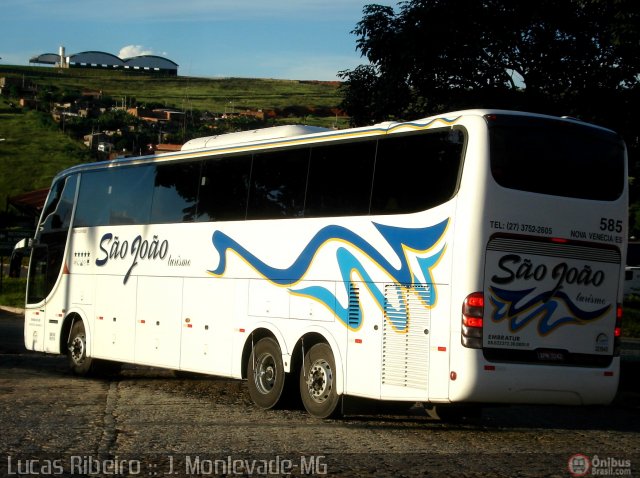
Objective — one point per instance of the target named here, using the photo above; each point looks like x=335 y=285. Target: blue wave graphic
x=399 y=239
x=542 y=306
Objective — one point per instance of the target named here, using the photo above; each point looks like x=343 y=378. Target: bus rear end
x=545 y=324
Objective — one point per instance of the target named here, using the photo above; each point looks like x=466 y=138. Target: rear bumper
x=535 y=384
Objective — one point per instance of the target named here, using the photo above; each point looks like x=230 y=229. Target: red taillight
x=474 y=300
x=473 y=306
x=474 y=322
x=617 y=331
x=472 y=319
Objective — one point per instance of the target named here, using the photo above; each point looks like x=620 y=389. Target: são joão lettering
x=112 y=248
x=513 y=268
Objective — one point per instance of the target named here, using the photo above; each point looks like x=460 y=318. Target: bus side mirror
x=22 y=248
x=23 y=245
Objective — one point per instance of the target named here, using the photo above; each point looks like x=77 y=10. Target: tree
x=366 y=95
x=575 y=57
x=548 y=56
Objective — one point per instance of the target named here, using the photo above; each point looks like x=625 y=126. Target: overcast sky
x=286 y=39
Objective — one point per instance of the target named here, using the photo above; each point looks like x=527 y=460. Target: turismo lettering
x=140 y=249
x=515 y=268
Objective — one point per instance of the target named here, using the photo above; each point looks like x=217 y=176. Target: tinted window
x=57 y=212
x=175 y=192
x=340 y=178
x=556 y=157
x=416 y=172
x=115 y=196
x=47 y=257
x=39 y=283
x=224 y=188
x=278 y=183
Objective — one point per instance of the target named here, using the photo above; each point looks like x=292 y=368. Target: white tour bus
x=472 y=257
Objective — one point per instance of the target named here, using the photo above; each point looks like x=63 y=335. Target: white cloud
x=134 y=50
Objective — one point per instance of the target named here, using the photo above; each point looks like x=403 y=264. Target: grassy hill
x=212 y=94
x=35 y=149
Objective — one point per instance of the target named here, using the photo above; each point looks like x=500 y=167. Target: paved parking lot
x=149 y=422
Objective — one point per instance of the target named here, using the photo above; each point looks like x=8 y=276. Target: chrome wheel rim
x=265 y=373
x=320 y=381
x=76 y=349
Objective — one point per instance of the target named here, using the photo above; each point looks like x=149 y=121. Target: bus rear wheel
x=265 y=373
x=318 y=382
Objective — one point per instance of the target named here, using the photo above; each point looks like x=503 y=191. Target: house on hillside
x=20 y=86
x=158 y=115
x=92 y=140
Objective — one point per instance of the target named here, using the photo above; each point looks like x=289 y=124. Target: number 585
x=611 y=225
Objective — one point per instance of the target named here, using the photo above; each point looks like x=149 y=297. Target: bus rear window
x=557 y=158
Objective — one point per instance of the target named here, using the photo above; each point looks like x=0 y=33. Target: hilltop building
x=99 y=59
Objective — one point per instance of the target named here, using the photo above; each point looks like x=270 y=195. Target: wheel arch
x=71 y=318
x=257 y=334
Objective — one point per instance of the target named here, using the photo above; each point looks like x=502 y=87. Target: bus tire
x=265 y=373
x=318 y=382
x=79 y=363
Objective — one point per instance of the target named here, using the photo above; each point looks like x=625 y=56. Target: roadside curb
x=12 y=310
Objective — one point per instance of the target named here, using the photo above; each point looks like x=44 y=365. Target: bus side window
x=115 y=196
x=278 y=184
x=416 y=172
x=37 y=286
x=340 y=178
x=224 y=189
x=175 y=192
x=131 y=191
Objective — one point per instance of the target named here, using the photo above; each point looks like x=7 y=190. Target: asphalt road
x=149 y=422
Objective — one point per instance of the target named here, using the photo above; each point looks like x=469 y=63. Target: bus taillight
x=472 y=316
x=617 y=331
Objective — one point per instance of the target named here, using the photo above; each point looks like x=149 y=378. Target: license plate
x=550 y=355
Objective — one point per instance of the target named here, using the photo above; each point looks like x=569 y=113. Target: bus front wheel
x=77 y=350
x=318 y=382
x=265 y=373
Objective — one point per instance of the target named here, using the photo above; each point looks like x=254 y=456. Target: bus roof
x=275 y=132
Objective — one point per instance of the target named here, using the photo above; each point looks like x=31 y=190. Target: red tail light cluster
x=472 y=317
x=617 y=332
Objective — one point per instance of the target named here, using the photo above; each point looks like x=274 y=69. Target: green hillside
x=212 y=94
x=33 y=148
x=32 y=151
